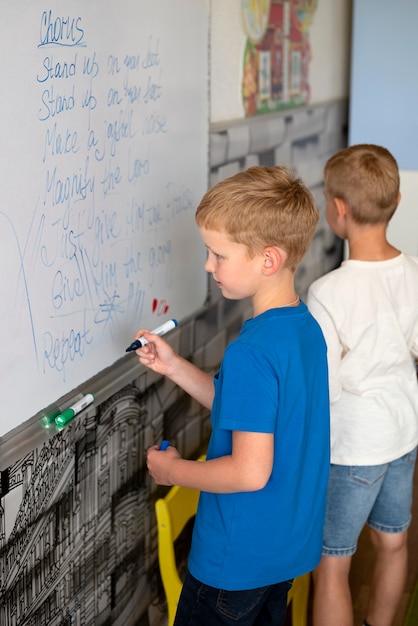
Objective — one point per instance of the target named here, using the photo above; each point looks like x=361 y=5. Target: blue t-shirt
x=273 y=379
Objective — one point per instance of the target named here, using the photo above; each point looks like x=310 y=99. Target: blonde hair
x=366 y=177
x=260 y=207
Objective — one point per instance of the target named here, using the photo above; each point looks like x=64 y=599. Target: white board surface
x=104 y=158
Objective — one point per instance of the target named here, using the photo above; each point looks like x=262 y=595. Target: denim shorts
x=377 y=495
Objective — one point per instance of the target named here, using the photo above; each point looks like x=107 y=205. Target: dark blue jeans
x=201 y=605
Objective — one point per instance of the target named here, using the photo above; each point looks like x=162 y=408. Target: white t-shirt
x=368 y=312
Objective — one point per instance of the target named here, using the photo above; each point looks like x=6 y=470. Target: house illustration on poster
x=277 y=54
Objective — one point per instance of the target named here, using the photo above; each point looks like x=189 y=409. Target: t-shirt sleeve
x=414 y=348
x=334 y=346
x=249 y=389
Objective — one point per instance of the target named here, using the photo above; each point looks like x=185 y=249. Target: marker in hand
x=164 y=444
x=69 y=413
x=161 y=330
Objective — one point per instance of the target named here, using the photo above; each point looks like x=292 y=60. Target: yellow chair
x=173 y=512
x=298 y=596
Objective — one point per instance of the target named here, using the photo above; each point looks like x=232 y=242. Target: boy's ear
x=274 y=257
x=341 y=207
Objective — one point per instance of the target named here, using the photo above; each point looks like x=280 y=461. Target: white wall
x=330 y=35
x=403 y=227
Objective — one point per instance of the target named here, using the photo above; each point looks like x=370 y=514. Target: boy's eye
x=217 y=256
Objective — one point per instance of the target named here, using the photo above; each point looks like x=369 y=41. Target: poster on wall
x=277 y=54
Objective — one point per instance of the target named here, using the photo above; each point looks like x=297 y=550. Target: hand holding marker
x=161 y=330
x=62 y=418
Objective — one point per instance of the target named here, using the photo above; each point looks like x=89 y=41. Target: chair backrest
x=173 y=512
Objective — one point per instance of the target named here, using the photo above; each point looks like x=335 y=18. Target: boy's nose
x=208 y=266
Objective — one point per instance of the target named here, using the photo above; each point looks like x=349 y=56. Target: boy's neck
x=279 y=292
x=369 y=243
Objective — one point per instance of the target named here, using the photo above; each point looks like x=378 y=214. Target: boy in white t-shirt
x=368 y=312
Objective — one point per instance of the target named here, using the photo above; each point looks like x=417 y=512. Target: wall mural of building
x=78 y=539
x=77 y=549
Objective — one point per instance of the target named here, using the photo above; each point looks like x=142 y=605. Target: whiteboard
x=104 y=158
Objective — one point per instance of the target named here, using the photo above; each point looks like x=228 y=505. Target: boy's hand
x=158 y=355
x=159 y=463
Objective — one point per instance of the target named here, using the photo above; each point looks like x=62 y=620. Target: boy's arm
x=332 y=339
x=194 y=381
x=248 y=468
x=160 y=357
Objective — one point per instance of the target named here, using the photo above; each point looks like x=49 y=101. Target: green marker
x=69 y=413
x=49 y=418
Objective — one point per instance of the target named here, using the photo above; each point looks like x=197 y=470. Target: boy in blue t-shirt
x=261 y=510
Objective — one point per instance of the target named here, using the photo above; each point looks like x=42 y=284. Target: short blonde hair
x=366 y=177
x=261 y=207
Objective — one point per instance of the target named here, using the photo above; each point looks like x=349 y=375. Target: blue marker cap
x=164 y=444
